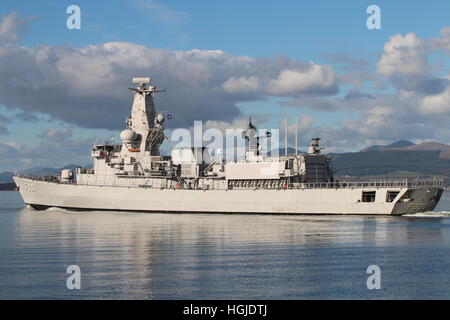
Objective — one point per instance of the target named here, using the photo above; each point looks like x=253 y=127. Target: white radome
x=128 y=135
x=160 y=118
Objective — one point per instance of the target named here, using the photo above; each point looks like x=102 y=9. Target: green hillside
x=392 y=162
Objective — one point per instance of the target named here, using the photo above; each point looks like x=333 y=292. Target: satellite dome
x=160 y=118
x=128 y=135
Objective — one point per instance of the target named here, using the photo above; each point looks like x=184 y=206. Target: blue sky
x=328 y=33
x=298 y=29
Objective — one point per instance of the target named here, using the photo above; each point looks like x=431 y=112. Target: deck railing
x=132 y=182
x=397 y=183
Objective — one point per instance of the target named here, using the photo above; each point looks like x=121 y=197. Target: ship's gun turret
x=314 y=147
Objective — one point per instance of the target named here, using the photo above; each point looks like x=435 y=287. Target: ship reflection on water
x=200 y=256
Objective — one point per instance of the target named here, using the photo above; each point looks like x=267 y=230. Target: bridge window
x=289 y=164
x=391 y=195
x=368 y=196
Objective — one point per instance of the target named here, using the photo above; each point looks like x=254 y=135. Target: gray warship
x=133 y=176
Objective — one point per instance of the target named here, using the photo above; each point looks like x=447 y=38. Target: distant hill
x=396 y=145
x=404 y=145
x=392 y=163
x=408 y=145
x=429 y=146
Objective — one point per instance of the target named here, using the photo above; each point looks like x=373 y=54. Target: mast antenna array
x=296 y=129
x=141 y=80
x=143 y=89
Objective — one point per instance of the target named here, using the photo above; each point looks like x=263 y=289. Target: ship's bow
x=416 y=200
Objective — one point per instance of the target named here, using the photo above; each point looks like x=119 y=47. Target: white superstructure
x=134 y=176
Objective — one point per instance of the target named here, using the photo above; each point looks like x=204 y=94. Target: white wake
x=430 y=214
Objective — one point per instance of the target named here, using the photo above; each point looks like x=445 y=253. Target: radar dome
x=160 y=118
x=128 y=135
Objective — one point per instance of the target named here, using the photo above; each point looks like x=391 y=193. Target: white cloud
x=405 y=62
x=48 y=153
x=441 y=43
x=87 y=86
x=242 y=84
x=56 y=134
x=239 y=123
x=436 y=104
x=3 y=122
x=403 y=54
x=11 y=27
x=316 y=79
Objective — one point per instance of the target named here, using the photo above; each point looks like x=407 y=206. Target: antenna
x=296 y=135
x=143 y=89
x=285 y=136
x=141 y=80
x=300 y=133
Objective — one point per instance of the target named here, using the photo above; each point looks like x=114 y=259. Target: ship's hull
x=41 y=195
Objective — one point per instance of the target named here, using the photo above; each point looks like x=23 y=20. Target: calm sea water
x=201 y=256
